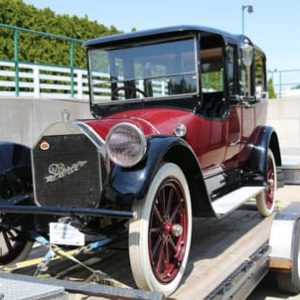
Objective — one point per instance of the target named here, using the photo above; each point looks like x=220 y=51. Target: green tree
x=41 y=49
x=271 y=90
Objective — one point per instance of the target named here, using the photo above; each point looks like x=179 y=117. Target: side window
x=260 y=76
x=212 y=51
x=244 y=82
x=231 y=69
x=212 y=70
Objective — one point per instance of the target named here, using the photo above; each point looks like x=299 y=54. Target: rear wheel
x=160 y=236
x=266 y=200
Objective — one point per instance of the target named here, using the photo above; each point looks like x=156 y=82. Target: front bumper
x=65 y=211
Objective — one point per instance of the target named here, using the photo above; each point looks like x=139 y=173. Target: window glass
x=259 y=74
x=231 y=70
x=144 y=71
x=244 y=80
x=212 y=70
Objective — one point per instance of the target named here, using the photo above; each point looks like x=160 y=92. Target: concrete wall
x=23 y=120
x=284 y=116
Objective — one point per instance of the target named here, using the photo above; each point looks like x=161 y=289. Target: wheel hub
x=177 y=230
x=168 y=228
x=174 y=229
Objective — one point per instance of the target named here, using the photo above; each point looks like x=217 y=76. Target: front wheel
x=160 y=235
x=266 y=200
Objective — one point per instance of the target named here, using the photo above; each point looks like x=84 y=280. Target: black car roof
x=112 y=39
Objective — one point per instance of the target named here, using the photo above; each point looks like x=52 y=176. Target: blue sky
x=274 y=25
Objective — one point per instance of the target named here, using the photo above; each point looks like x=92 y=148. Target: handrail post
x=36 y=81
x=280 y=83
x=72 y=67
x=16 y=60
x=79 y=84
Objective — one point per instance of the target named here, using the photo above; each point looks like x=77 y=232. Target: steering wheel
x=128 y=88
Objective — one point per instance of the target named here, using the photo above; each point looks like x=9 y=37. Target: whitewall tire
x=160 y=235
x=265 y=201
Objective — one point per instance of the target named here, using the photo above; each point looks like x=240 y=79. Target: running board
x=233 y=200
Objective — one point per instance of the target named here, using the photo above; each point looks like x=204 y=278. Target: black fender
x=15 y=172
x=263 y=138
x=125 y=185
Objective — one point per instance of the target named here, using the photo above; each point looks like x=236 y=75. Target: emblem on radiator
x=59 y=170
x=44 y=146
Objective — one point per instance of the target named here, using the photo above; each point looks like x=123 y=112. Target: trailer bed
x=219 y=248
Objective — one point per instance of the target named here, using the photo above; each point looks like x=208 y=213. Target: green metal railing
x=16 y=30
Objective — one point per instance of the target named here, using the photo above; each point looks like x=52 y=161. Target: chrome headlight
x=126 y=144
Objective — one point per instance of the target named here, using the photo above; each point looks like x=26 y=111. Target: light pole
x=250 y=11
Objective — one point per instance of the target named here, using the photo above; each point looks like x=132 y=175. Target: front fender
x=132 y=183
x=127 y=184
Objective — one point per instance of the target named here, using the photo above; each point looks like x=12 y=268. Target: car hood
x=150 y=121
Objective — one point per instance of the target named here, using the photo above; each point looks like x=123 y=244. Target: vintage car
x=178 y=131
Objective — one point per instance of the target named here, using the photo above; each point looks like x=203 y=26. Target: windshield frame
x=161 y=99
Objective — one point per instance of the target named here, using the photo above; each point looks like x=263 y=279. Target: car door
x=234 y=122
x=248 y=107
x=213 y=129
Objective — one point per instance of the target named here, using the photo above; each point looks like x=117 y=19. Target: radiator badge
x=59 y=170
x=44 y=146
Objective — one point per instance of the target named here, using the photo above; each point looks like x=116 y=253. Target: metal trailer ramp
x=89 y=289
x=12 y=288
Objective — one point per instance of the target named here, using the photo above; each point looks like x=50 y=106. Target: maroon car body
x=222 y=140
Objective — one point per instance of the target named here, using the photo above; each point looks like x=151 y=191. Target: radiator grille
x=67 y=171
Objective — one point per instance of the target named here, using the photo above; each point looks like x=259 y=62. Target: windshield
x=146 y=71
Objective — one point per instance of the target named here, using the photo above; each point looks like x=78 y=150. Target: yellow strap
x=32 y=262
x=97 y=275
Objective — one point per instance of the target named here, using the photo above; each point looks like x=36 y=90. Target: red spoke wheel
x=266 y=200
x=160 y=236
x=13 y=245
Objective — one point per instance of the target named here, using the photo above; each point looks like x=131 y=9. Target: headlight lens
x=126 y=144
